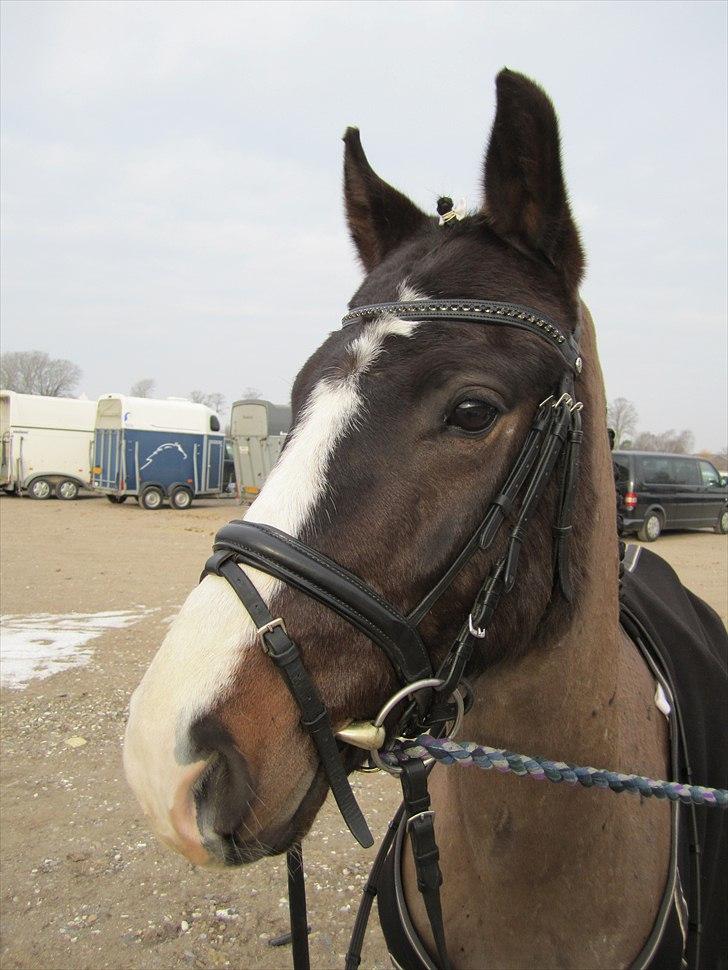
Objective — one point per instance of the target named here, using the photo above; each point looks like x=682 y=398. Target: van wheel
x=151 y=498
x=41 y=488
x=650 y=528
x=117 y=499
x=721 y=527
x=180 y=497
x=67 y=490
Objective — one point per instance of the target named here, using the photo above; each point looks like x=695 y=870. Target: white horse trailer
x=46 y=444
x=258 y=430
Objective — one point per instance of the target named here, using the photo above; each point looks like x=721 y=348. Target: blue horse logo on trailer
x=164 y=447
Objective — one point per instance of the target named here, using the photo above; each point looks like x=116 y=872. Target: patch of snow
x=36 y=646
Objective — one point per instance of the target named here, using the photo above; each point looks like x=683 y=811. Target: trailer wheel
x=40 y=488
x=180 y=497
x=117 y=499
x=67 y=490
x=151 y=498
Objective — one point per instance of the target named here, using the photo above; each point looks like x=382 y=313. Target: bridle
x=438 y=697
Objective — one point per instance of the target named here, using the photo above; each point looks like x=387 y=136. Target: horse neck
x=582 y=696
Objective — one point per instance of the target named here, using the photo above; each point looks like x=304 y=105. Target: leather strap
x=563 y=527
x=314 y=716
x=548 y=457
x=297 y=911
x=353 y=955
x=319 y=577
x=426 y=855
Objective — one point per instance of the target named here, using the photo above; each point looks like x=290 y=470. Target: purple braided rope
x=467 y=753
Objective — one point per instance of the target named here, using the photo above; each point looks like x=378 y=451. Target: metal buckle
x=411 y=819
x=267 y=627
x=476 y=631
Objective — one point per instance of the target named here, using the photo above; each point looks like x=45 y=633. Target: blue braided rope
x=467 y=753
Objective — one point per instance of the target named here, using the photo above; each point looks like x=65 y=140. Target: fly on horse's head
x=443 y=516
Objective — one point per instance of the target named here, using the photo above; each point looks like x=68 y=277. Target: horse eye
x=472 y=415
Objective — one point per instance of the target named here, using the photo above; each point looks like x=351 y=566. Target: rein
x=445 y=751
x=436 y=698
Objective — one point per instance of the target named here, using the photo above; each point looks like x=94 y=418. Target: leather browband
x=282 y=556
x=478 y=311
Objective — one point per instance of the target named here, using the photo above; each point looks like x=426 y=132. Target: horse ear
x=525 y=196
x=379 y=216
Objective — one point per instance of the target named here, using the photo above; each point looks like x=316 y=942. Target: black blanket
x=689 y=642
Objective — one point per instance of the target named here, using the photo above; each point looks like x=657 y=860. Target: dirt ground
x=84 y=884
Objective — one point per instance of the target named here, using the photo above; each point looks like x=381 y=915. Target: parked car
x=661 y=491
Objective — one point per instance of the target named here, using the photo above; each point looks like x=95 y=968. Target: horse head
x=404 y=433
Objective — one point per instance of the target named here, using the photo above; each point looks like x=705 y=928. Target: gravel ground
x=84 y=884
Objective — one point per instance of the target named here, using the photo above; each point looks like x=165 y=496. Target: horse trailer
x=258 y=430
x=46 y=444
x=155 y=450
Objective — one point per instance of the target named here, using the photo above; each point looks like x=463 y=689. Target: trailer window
x=214 y=423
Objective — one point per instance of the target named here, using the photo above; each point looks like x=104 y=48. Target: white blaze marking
x=199 y=657
x=298 y=480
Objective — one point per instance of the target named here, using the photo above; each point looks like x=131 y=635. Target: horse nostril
x=222 y=793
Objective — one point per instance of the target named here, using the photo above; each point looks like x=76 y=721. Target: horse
x=411 y=424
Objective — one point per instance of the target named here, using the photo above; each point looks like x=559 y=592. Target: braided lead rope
x=467 y=753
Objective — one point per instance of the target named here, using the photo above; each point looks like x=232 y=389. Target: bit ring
x=403 y=693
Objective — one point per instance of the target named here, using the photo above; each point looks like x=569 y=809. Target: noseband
x=551 y=447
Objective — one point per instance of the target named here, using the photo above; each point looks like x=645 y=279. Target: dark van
x=659 y=491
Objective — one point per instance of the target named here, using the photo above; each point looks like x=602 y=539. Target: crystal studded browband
x=476 y=311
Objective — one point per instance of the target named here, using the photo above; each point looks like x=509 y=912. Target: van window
x=709 y=475
x=685 y=471
x=661 y=470
x=655 y=470
x=214 y=423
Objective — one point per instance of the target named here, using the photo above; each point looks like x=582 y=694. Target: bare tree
x=678 y=442
x=212 y=399
x=622 y=418
x=251 y=394
x=143 y=387
x=35 y=372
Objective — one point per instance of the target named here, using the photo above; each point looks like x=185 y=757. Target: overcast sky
x=171 y=177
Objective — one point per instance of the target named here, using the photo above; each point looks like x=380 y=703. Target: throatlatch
x=429 y=701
